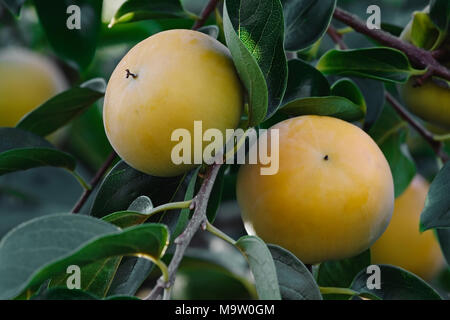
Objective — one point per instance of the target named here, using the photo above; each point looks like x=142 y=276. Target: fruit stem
x=210 y=7
x=218 y=233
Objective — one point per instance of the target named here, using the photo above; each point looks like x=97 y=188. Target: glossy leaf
x=436 y=213
x=72 y=44
x=295 y=280
x=61 y=109
x=348 y=89
x=384 y=64
x=340 y=274
x=124 y=184
x=21 y=150
x=135 y=10
x=46 y=246
x=262 y=266
x=306 y=21
x=254 y=32
x=396 y=284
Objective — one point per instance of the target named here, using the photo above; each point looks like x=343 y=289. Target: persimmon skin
x=332 y=197
x=28 y=79
x=175 y=77
x=402 y=244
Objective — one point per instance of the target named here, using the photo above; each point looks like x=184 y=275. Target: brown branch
x=94 y=182
x=420 y=58
x=210 y=7
x=437 y=146
x=199 y=218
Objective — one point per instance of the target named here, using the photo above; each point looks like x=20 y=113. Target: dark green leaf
x=74 y=45
x=130 y=275
x=14 y=5
x=304 y=81
x=21 y=150
x=444 y=241
x=348 y=89
x=254 y=31
x=124 y=184
x=216 y=195
x=341 y=273
x=436 y=213
x=390 y=132
x=46 y=246
x=440 y=14
x=135 y=10
x=306 y=21
x=262 y=266
x=383 y=64
x=396 y=284
x=61 y=109
x=295 y=280
x=338 y=107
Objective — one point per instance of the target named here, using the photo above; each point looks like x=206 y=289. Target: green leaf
x=423 y=32
x=124 y=184
x=306 y=21
x=348 y=89
x=130 y=275
x=440 y=14
x=384 y=64
x=436 y=213
x=390 y=133
x=216 y=195
x=21 y=150
x=185 y=213
x=46 y=246
x=304 y=81
x=13 y=5
x=262 y=266
x=254 y=32
x=135 y=10
x=73 y=45
x=64 y=107
x=396 y=284
x=295 y=280
x=444 y=241
x=338 y=107
x=341 y=273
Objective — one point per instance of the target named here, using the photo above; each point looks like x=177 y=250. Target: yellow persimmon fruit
x=27 y=80
x=164 y=83
x=332 y=197
x=402 y=244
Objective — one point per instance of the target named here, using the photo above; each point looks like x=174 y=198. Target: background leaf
x=306 y=21
x=14 y=5
x=440 y=14
x=135 y=10
x=76 y=45
x=436 y=213
x=255 y=39
x=46 y=246
x=384 y=64
x=21 y=150
x=262 y=266
x=396 y=284
x=64 y=107
x=124 y=184
x=295 y=280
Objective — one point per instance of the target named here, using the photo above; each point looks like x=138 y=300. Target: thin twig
x=437 y=146
x=420 y=58
x=94 y=182
x=210 y=7
x=182 y=242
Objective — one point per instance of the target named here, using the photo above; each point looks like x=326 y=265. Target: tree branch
x=420 y=58
x=198 y=220
x=437 y=146
x=210 y=7
x=94 y=182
